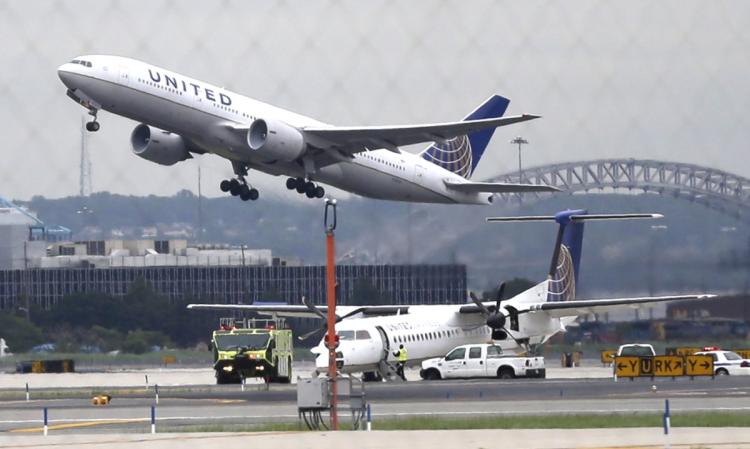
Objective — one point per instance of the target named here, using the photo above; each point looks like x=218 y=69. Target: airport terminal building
x=44 y=270
x=402 y=284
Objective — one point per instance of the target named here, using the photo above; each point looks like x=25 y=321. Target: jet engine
x=157 y=145
x=276 y=140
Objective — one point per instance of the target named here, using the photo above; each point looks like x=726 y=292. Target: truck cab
x=481 y=360
x=252 y=348
x=636 y=350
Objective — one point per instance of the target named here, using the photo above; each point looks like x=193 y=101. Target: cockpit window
x=363 y=335
x=346 y=335
x=81 y=62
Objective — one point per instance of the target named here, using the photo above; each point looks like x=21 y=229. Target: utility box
x=313 y=393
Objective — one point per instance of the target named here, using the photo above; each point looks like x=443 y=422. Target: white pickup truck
x=482 y=360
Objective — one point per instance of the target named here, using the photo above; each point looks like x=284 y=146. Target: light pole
x=520 y=141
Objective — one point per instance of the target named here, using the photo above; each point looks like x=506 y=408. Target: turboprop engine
x=157 y=145
x=276 y=140
x=498 y=318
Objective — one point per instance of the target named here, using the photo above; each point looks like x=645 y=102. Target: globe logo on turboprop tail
x=453 y=155
x=562 y=286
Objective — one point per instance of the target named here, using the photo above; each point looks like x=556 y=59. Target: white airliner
x=181 y=116
x=370 y=334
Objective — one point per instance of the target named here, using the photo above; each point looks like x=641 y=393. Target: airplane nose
x=65 y=75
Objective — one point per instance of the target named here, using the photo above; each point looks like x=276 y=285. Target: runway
x=180 y=408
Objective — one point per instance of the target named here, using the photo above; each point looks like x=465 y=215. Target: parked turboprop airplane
x=369 y=334
x=181 y=116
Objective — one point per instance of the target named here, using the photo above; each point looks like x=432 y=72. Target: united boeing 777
x=180 y=116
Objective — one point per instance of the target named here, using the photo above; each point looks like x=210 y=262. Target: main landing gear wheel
x=235 y=187
x=225 y=186
x=92 y=126
x=246 y=193
x=308 y=188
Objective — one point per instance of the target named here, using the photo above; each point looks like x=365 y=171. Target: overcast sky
x=663 y=80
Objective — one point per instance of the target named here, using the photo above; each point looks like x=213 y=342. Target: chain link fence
x=662 y=80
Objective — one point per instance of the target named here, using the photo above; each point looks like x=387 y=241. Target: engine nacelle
x=276 y=140
x=157 y=145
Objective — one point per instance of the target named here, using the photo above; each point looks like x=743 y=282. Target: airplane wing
x=586 y=306
x=301 y=311
x=297 y=311
x=350 y=140
x=497 y=187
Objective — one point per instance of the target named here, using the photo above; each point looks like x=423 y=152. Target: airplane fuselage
x=426 y=332
x=208 y=117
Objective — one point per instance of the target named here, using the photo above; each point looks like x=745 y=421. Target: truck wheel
x=288 y=378
x=432 y=374
x=506 y=373
x=223 y=378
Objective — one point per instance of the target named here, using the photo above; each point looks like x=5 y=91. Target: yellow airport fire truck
x=252 y=348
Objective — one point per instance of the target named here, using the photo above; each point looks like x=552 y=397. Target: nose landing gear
x=93 y=125
x=308 y=188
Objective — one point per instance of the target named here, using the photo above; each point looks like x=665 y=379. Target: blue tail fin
x=461 y=154
x=566 y=259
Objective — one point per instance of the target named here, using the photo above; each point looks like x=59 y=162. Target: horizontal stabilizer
x=577 y=218
x=497 y=187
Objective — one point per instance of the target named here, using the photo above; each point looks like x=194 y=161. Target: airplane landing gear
x=308 y=188
x=238 y=186
x=93 y=125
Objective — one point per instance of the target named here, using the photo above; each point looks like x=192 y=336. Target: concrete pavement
x=418 y=439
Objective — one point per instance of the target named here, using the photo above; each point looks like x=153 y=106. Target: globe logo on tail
x=453 y=155
x=562 y=286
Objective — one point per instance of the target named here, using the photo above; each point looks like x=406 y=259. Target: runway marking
x=153 y=438
x=74 y=425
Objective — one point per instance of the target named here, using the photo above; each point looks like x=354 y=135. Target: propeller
x=496 y=320
x=320 y=315
x=323 y=317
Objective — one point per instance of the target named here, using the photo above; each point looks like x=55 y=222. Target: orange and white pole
x=331 y=309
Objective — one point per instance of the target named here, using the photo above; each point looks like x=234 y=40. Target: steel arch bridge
x=716 y=189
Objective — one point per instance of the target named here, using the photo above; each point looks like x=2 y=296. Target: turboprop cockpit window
x=363 y=335
x=248 y=342
x=346 y=335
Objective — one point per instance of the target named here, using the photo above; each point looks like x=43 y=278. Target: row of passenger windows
x=384 y=162
x=81 y=62
x=159 y=86
x=425 y=336
x=179 y=92
x=228 y=109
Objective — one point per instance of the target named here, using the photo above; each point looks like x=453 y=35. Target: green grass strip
x=572 y=421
